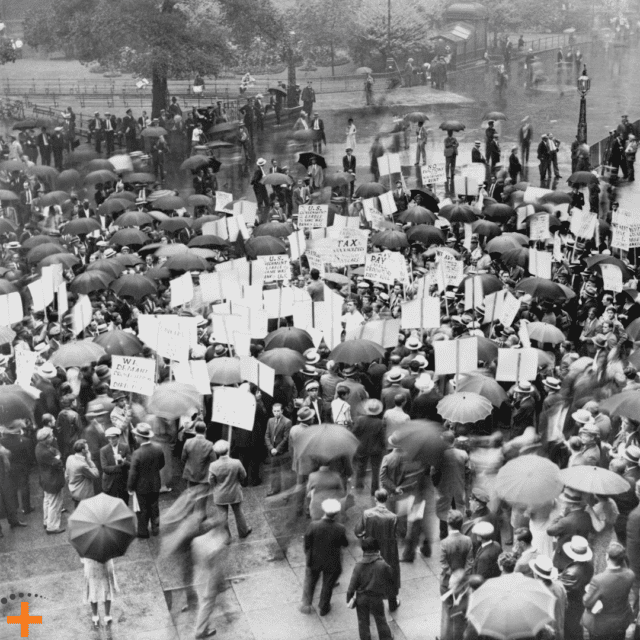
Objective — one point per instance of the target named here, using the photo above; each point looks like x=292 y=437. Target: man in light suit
x=485 y=563
x=115 y=460
x=316 y=175
x=225 y=476
x=317 y=126
x=277 y=440
x=144 y=480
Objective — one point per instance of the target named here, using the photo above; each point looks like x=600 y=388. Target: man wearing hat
x=349 y=166
x=590 y=454
x=96 y=129
x=485 y=562
x=323 y=543
x=480 y=512
x=575 y=577
x=357 y=392
x=523 y=411
x=144 y=480
x=121 y=415
x=542 y=569
x=68 y=425
x=381 y=524
x=476 y=153
x=115 y=459
x=302 y=466
x=226 y=475
x=574 y=521
x=369 y=429
x=259 y=189
x=313 y=402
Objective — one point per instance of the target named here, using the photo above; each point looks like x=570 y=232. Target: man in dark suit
x=370 y=431
x=115 y=459
x=476 y=154
x=400 y=197
x=144 y=480
x=197 y=456
x=317 y=126
x=308 y=98
x=277 y=440
x=485 y=563
x=51 y=469
x=480 y=512
x=611 y=588
x=129 y=128
x=110 y=125
x=22 y=459
x=259 y=189
x=225 y=475
x=455 y=550
x=575 y=521
x=57 y=147
x=323 y=544
x=349 y=166
x=96 y=129
x=544 y=158
x=276 y=188
x=44 y=145
x=494 y=152
x=575 y=577
x=633 y=544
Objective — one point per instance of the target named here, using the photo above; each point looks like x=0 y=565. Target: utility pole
x=389 y=28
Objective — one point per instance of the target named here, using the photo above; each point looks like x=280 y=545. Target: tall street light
x=584 y=84
x=292 y=95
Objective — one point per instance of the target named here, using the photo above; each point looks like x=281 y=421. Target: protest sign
x=222 y=200
x=509 y=311
x=278 y=303
x=342 y=222
x=380 y=267
x=433 y=173
x=377 y=220
x=533 y=194
x=11 y=309
x=388 y=204
x=235 y=407
x=370 y=207
x=230 y=286
x=328 y=317
x=382 y=332
x=313 y=216
x=81 y=314
x=181 y=290
x=297 y=244
x=456 y=356
x=465 y=186
x=276 y=267
x=476 y=171
x=522 y=213
x=611 y=277
x=517 y=364
x=350 y=249
x=259 y=373
x=247 y=212
x=25 y=366
x=41 y=294
x=621 y=237
x=174 y=339
x=523 y=334
x=421 y=313
x=634 y=236
x=316 y=261
x=493 y=304
x=583 y=223
x=473 y=292
x=210 y=287
x=539 y=227
x=540 y=263
x=450 y=271
x=133 y=374
x=389 y=164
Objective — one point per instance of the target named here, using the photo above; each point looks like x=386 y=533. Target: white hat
x=109 y=253
x=543 y=567
x=261 y=162
x=578 y=549
x=47 y=370
x=424 y=382
x=331 y=506
x=112 y=431
x=483 y=529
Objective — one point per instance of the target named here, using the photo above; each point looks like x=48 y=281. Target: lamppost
x=292 y=94
x=584 y=84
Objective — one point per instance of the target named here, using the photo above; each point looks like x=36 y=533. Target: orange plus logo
x=24 y=619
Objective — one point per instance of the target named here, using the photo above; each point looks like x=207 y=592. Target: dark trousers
x=367 y=605
x=57 y=159
x=613 y=635
x=109 y=138
x=22 y=490
x=450 y=169
x=97 y=138
x=361 y=469
x=572 y=621
x=278 y=466
x=119 y=491
x=45 y=155
x=329 y=579
x=554 y=162
x=524 y=151
x=149 y=512
x=544 y=169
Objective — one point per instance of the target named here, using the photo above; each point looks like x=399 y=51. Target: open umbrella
x=390 y=239
x=120 y=343
x=43 y=250
x=595 y=480
x=43 y=171
x=224 y=371
x=452 y=125
x=421 y=440
x=418 y=215
x=175 y=224
x=208 y=241
x=289 y=337
x=305 y=159
x=464 y=407
x=500 y=212
x=15 y=403
x=416 y=116
x=356 y=351
x=12 y=165
x=123 y=195
x=274 y=229
x=154 y=132
x=543 y=288
x=544 y=332
x=494 y=115
x=283 y=361
x=459 y=213
x=90 y=281
x=326 y=442
x=194 y=163
x=134 y=219
x=199 y=200
x=171 y=400
x=336 y=278
x=584 y=178
x=277 y=179
x=264 y=246
x=114 y=205
x=77 y=354
x=53 y=197
x=112 y=267
x=516 y=256
x=511 y=607
x=126 y=237
x=67 y=260
x=169 y=203
x=68 y=178
x=7 y=287
x=186 y=262
x=555 y=197
x=157 y=273
x=425 y=235
x=426 y=199
x=339 y=179
x=139 y=178
x=529 y=480
x=81 y=226
x=625 y=404
x=100 y=176
x=487 y=349
x=484 y=386
x=134 y=286
x=369 y=190
x=486 y=228
x=6 y=227
x=102 y=528
x=8 y=196
x=359 y=70
x=490 y=283
x=99 y=164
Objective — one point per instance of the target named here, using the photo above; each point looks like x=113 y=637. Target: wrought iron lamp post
x=584 y=84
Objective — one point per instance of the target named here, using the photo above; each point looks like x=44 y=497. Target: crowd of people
x=121 y=244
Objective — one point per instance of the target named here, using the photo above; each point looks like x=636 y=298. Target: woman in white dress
x=351 y=135
x=100 y=586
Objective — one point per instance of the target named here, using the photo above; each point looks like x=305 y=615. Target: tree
x=410 y=22
x=158 y=39
x=505 y=16
x=324 y=25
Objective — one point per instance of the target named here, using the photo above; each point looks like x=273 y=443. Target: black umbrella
x=427 y=199
x=305 y=159
x=289 y=337
x=452 y=125
x=277 y=90
x=582 y=178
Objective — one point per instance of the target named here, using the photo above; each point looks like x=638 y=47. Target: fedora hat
x=590 y=429
x=261 y=162
x=112 y=431
x=119 y=395
x=552 y=383
x=143 y=430
x=424 y=382
x=103 y=372
x=305 y=414
x=95 y=409
x=480 y=495
x=600 y=341
x=371 y=407
x=578 y=549
x=349 y=372
x=542 y=566
x=632 y=454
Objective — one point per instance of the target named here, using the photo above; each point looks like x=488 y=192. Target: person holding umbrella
x=99 y=586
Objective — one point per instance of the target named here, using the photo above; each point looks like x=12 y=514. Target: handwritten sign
x=456 y=356
x=421 y=313
x=11 y=309
x=380 y=267
x=634 y=236
x=234 y=407
x=433 y=173
x=583 y=223
x=539 y=227
x=611 y=277
x=621 y=237
x=313 y=216
x=133 y=374
x=181 y=290
x=517 y=364
x=350 y=249
x=222 y=200
x=510 y=308
x=370 y=207
x=276 y=267
x=388 y=204
x=450 y=271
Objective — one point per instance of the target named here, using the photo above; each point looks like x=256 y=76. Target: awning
x=459 y=32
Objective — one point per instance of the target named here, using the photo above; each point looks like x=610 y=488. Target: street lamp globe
x=584 y=83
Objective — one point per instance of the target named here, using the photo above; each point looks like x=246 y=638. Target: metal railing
x=599 y=151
